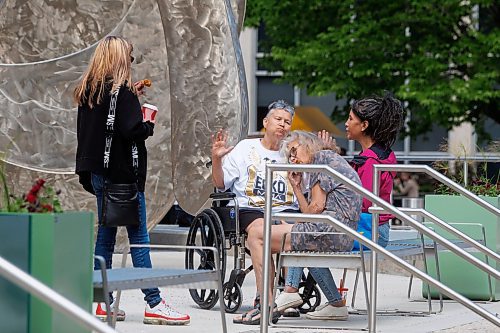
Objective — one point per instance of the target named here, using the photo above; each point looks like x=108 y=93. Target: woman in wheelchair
x=325 y=195
x=241 y=169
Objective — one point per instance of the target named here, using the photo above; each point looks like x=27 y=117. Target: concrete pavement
x=392 y=294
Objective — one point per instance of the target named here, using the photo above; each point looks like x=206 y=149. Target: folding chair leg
x=367 y=298
x=409 y=286
x=105 y=289
x=438 y=275
x=355 y=288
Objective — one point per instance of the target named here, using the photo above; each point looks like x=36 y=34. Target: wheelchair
x=218 y=226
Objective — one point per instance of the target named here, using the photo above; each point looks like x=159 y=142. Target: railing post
x=371 y=244
x=264 y=322
x=372 y=320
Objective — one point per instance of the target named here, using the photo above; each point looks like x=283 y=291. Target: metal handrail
x=442 y=157
x=436 y=175
x=376 y=200
x=447 y=227
x=400 y=262
x=51 y=297
x=378 y=168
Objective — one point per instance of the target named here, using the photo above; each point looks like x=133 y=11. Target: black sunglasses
x=132 y=59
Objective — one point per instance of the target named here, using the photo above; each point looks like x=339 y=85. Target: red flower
x=32 y=195
x=47 y=208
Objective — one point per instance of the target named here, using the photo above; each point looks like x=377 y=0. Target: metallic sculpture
x=207 y=88
x=44 y=48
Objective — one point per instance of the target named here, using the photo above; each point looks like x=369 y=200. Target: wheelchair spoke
x=204 y=240
x=201 y=253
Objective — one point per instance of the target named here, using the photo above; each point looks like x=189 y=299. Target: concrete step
x=164 y=234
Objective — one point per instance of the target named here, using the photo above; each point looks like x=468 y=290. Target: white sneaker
x=162 y=314
x=101 y=313
x=291 y=313
x=328 y=312
x=288 y=300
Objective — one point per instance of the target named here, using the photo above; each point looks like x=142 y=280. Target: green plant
x=40 y=199
x=478 y=181
x=442 y=57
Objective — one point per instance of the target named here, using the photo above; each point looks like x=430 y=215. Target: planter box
x=55 y=249
x=457 y=273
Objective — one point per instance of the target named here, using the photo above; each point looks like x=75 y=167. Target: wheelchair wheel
x=206 y=230
x=310 y=294
x=233 y=297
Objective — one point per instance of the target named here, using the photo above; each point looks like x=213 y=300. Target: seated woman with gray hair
x=317 y=193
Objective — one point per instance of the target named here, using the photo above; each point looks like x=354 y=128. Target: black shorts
x=247 y=216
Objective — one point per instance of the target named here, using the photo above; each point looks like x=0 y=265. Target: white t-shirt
x=245 y=172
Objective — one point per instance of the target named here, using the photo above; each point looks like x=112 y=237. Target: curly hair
x=310 y=140
x=384 y=115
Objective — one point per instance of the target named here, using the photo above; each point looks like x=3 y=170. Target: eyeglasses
x=281 y=104
x=132 y=59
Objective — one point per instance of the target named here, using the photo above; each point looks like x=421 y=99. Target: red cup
x=149 y=112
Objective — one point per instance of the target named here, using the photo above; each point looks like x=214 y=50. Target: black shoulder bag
x=120 y=202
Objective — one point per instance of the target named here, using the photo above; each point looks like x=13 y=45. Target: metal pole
x=393 y=210
x=372 y=320
x=51 y=297
x=221 y=295
x=443 y=179
x=422 y=212
x=400 y=262
x=105 y=291
x=264 y=314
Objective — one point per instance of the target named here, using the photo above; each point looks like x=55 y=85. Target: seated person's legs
x=334 y=309
x=255 y=244
x=290 y=297
x=383 y=234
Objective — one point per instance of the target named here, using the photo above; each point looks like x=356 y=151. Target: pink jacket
x=363 y=164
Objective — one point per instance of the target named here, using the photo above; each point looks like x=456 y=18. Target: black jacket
x=128 y=128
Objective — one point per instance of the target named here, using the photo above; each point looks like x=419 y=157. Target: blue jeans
x=106 y=238
x=323 y=276
x=383 y=234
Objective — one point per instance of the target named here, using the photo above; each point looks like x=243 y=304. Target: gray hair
x=280 y=105
x=310 y=140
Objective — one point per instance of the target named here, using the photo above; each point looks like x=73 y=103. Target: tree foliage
x=435 y=55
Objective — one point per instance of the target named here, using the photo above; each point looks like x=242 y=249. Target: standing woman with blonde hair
x=107 y=81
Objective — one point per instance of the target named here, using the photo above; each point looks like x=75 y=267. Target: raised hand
x=328 y=140
x=219 y=144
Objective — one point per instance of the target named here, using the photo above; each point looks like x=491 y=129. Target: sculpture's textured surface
x=205 y=71
x=44 y=48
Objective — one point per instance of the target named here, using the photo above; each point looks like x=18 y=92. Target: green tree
x=434 y=54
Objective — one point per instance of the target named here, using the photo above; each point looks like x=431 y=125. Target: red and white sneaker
x=162 y=314
x=101 y=313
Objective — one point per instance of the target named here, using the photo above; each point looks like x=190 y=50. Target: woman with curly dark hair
x=374 y=122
